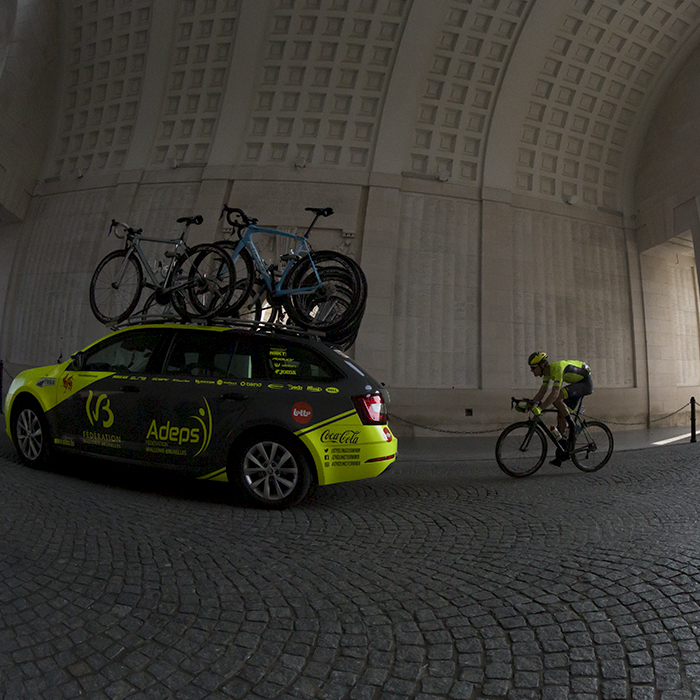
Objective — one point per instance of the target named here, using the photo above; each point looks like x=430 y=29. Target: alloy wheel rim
x=29 y=435
x=270 y=471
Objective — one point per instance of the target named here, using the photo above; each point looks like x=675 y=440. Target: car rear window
x=296 y=362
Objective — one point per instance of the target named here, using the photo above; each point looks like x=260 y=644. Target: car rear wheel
x=30 y=433
x=271 y=470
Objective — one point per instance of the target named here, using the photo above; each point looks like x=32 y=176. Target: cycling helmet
x=536 y=358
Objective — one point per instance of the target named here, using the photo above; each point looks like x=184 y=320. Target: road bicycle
x=197 y=282
x=320 y=290
x=522 y=447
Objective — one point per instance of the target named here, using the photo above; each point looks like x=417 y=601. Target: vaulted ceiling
x=547 y=98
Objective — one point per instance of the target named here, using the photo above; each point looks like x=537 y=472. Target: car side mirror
x=77 y=361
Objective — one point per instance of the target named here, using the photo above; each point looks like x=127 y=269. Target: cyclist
x=577 y=377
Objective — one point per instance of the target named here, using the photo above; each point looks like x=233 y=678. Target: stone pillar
x=373 y=347
x=496 y=292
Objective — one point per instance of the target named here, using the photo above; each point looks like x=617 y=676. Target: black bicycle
x=522 y=447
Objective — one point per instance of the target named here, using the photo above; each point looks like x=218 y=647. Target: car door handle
x=130 y=389
x=233 y=396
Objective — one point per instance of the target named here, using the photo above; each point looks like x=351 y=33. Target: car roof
x=250 y=328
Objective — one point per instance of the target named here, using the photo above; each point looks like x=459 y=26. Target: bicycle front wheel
x=115 y=287
x=521 y=449
x=594 y=446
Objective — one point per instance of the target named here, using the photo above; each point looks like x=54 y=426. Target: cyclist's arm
x=537 y=398
x=551 y=397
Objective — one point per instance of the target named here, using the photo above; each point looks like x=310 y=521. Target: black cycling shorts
x=574 y=392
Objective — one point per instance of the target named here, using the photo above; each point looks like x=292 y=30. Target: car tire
x=271 y=470
x=31 y=435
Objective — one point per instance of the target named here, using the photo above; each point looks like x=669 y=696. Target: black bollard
x=692 y=419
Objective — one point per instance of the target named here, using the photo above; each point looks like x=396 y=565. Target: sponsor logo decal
x=101 y=409
x=344 y=437
x=100 y=415
x=67 y=383
x=167 y=438
x=302 y=412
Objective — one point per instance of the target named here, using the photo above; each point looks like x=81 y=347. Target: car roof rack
x=232 y=323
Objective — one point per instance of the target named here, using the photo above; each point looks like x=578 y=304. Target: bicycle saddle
x=320 y=212
x=197 y=220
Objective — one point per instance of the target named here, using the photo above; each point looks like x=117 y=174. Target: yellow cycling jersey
x=566 y=371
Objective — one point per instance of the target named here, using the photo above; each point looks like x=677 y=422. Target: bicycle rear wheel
x=521 y=449
x=203 y=281
x=338 y=303
x=594 y=446
x=115 y=287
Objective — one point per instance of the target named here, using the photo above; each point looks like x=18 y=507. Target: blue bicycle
x=320 y=290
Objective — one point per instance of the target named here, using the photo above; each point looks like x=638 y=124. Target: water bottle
x=555 y=432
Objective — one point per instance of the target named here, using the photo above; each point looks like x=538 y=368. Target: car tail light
x=371 y=409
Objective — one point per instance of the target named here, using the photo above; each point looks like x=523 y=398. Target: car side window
x=207 y=354
x=128 y=352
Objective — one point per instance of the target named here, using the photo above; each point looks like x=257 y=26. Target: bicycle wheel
x=115 y=287
x=245 y=278
x=521 y=449
x=157 y=307
x=594 y=446
x=341 y=298
x=203 y=280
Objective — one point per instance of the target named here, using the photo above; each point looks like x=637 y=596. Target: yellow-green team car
x=270 y=411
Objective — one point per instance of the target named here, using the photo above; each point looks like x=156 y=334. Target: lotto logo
x=302 y=412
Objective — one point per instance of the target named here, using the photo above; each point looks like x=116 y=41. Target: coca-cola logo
x=302 y=412
x=345 y=437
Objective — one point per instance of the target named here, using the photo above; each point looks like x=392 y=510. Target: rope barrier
x=656 y=420
x=497 y=430
x=444 y=430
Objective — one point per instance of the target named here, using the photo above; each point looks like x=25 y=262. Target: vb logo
x=101 y=407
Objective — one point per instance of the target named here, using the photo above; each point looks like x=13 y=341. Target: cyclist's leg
x=572 y=396
x=562 y=411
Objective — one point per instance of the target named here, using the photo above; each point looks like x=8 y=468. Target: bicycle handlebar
x=245 y=219
x=521 y=405
x=114 y=226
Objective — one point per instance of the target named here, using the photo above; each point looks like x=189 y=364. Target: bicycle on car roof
x=321 y=290
x=197 y=283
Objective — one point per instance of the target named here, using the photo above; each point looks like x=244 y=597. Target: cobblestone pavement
x=436 y=580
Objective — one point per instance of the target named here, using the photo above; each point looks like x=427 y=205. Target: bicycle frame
x=537 y=421
x=134 y=237
x=274 y=287
x=534 y=421
x=134 y=246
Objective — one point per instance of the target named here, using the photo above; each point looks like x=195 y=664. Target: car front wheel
x=30 y=433
x=272 y=471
